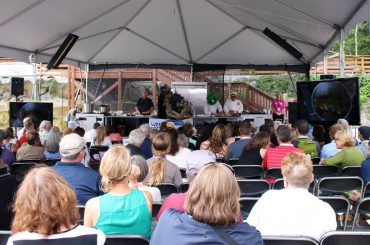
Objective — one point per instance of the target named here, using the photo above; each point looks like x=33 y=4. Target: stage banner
x=155 y=123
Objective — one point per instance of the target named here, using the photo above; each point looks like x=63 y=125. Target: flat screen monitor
x=38 y=111
x=327 y=101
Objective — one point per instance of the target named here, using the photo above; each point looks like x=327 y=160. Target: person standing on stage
x=162 y=102
x=212 y=108
x=278 y=108
x=233 y=105
x=144 y=105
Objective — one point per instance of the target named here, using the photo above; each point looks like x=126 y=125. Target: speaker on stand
x=17 y=86
x=293 y=112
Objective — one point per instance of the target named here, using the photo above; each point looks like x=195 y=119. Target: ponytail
x=157 y=171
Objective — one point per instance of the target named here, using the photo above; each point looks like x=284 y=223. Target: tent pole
x=87 y=70
x=191 y=73
x=341 y=53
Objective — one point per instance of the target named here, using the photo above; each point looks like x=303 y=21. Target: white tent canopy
x=175 y=31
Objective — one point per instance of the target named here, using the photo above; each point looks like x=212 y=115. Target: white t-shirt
x=76 y=236
x=180 y=157
x=89 y=135
x=293 y=212
x=154 y=191
x=212 y=109
x=236 y=106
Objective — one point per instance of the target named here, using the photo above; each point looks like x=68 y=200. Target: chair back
x=183 y=173
x=321 y=171
x=273 y=173
x=51 y=162
x=330 y=186
x=20 y=169
x=126 y=240
x=81 y=211
x=345 y=238
x=363 y=208
x=155 y=209
x=184 y=187
x=289 y=240
x=315 y=160
x=166 y=189
x=4 y=236
x=351 y=171
x=253 y=187
x=366 y=192
x=248 y=172
x=234 y=161
x=4 y=171
x=246 y=205
x=341 y=207
x=279 y=185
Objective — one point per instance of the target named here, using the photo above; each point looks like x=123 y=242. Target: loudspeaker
x=62 y=51
x=17 y=86
x=293 y=112
x=327 y=77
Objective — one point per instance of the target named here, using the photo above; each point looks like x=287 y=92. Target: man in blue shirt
x=83 y=180
x=144 y=105
x=235 y=149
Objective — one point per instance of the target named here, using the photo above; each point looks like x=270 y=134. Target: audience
x=6 y=155
x=67 y=131
x=44 y=130
x=232 y=131
x=274 y=156
x=195 y=161
x=364 y=136
x=310 y=147
x=27 y=126
x=293 y=210
x=8 y=185
x=135 y=140
x=349 y=154
x=212 y=213
x=331 y=149
x=235 y=149
x=160 y=169
x=121 y=210
x=113 y=134
x=365 y=169
x=217 y=142
x=9 y=142
x=101 y=139
x=146 y=147
x=32 y=149
x=85 y=181
x=52 y=144
x=45 y=212
x=91 y=134
x=139 y=172
x=180 y=151
x=254 y=152
x=80 y=131
x=318 y=134
x=190 y=132
x=270 y=130
x=205 y=135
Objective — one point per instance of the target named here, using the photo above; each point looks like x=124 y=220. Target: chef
x=233 y=105
x=212 y=108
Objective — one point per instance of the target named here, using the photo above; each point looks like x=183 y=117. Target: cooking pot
x=88 y=108
x=104 y=109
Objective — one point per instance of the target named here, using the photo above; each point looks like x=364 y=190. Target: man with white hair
x=44 y=131
x=146 y=147
x=135 y=140
x=293 y=211
x=85 y=181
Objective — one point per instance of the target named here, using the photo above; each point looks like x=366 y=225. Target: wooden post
x=363 y=65
x=119 y=88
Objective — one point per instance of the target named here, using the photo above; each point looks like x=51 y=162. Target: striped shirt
x=274 y=156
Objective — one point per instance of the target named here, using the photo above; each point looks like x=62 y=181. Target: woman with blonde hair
x=101 y=137
x=212 y=208
x=217 y=142
x=45 y=210
x=121 y=210
x=160 y=169
x=349 y=154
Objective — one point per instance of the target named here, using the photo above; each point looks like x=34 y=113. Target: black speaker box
x=17 y=86
x=293 y=112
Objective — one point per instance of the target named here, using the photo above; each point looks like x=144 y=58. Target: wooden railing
x=352 y=64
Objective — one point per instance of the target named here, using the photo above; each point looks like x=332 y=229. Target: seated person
x=52 y=144
x=212 y=212
x=146 y=147
x=121 y=210
x=101 y=139
x=235 y=149
x=160 y=169
x=32 y=149
x=310 y=147
x=179 y=151
x=293 y=210
x=217 y=142
x=45 y=212
x=85 y=181
x=365 y=169
x=254 y=152
x=364 y=136
x=349 y=154
x=135 y=140
x=331 y=149
x=9 y=186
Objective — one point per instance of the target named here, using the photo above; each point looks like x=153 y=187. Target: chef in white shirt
x=233 y=105
x=212 y=108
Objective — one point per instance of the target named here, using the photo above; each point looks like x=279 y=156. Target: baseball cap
x=365 y=131
x=71 y=144
x=196 y=160
x=234 y=93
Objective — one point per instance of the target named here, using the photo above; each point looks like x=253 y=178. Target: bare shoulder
x=93 y=203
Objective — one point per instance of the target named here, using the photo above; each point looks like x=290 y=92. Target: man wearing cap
x=364 y=136
x=233 y=105
x=84 y=181
x=212 y=107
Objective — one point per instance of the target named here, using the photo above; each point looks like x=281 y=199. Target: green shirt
x=350 y=156
x=125 y=215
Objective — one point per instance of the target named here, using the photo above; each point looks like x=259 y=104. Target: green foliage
x=364 y=89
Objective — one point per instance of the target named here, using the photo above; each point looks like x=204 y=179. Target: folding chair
x=340 y=206
x=126 y=240
x=51 y=162
x=233 y=162
x=246 y=205
x=8 y=187
x=166 y=189
x=249 y=172
x=4 y=236
x=273 y=173
x=315 y=160
x=345 y=238
x=363 y=208
x=183 y=173
x=155 y=209
x=20 y=169
x=253 y=187
x=331 y=186
x=96 y=150
x=321 y=171
x=289 y=240
x=184 y=187
x=366 y=192
x=279 y=185
x=351 y=171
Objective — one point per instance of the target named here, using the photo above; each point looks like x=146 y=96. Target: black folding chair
x=351 y=171
x=345 y=238
x=155 y=209
x=331 y=186
x=366 y=192
x=340 y=206
x=81 y=211
x=96 y=150
x=20 y=169
x=4 y=236
x=184 y=187
x=233 y=162
x=51 y=162
x=246 y=205
x=363 y=209
x=248 y=172
x=289 y=240
x=183 y=173
x=253 y=187
x=8 y=187
x=273 y=173
x=166 y=189
x=279 y=185
x=315 y=160
x=321 y=171
x=126 y=240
